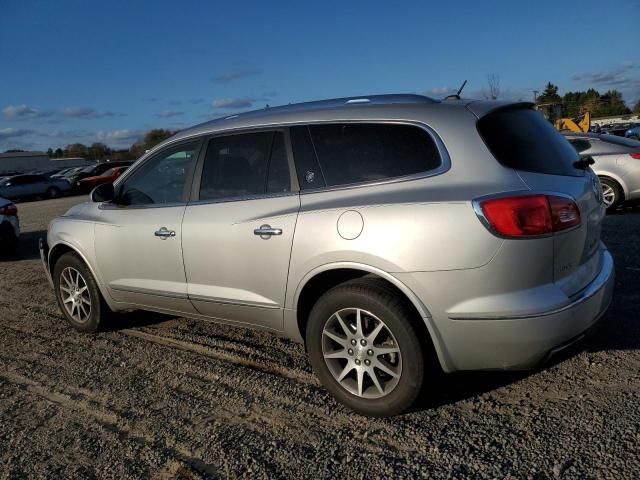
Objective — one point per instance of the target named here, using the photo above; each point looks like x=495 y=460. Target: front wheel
x=77 y=294
x=53 y=192
x=365 y=348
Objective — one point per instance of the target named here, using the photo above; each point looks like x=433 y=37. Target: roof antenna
x=457 y=94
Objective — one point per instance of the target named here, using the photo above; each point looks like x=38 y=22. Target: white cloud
x=238 y=102
x=233 y=75
x=6 y=133
x=169 y=113
x=88 y=112
x=20 y=112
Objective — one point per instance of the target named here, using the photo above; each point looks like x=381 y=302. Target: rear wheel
x=53 y=192
x=365 y=349
x=611 y=193
x=77 y=294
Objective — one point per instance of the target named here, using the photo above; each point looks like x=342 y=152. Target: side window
x=354 y=152
x=307 y=168
x=161 y=179
x=237 y=165
x=580 y=145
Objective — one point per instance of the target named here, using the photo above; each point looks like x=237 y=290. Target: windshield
x=110 y=172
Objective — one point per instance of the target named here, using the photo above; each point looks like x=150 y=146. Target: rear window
x=354 y=152
x=522 y=139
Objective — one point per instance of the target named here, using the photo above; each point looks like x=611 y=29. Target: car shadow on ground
x=136 y=319
x=26 y=248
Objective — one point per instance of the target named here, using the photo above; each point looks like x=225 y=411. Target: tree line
x=573 y=104
x=101 y=151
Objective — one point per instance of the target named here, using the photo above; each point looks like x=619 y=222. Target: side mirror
x=103 y=193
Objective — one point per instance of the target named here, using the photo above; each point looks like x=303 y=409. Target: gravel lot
x=173 y=398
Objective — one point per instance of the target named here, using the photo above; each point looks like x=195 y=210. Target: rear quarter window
x=351 y=153
x=522 y=139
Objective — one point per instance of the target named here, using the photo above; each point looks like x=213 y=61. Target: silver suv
x=382 y=232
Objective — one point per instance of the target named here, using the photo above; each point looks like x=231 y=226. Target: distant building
x=21 y=162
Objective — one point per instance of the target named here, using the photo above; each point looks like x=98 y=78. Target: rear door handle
x=164 y=232
x=267 y=231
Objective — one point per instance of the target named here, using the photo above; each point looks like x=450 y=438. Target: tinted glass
x=522 y=139
x=354 y=153
x=236 y=166
x=307 y=168
x=278 y=180
x=161 y=179
x=580 y=145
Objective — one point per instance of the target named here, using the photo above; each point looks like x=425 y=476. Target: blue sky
x=86 y=71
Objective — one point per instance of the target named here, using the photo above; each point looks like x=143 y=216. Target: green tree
x=636 y=107
x=76 y=150
x=58 y=153
x=549 y=94
x=611 y=103
x=150 y=140
x=98 y=151
x=50 y=152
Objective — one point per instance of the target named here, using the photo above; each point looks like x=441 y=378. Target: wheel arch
x=60 y=248
x=324 y=277
x=617 y=179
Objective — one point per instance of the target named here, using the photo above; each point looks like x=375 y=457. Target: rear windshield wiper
x=584 y=162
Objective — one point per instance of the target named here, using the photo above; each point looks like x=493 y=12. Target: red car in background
x=109 y=176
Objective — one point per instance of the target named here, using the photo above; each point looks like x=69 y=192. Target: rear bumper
x=523 y=339
x=43 y=246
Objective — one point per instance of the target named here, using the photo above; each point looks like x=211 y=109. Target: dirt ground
x=174 y=398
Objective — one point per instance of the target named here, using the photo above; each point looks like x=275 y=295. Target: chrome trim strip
x=598 y=283
x=200 y=298
x=149 y=291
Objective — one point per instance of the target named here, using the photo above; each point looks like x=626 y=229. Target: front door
x=138 y=235
x=237 y=235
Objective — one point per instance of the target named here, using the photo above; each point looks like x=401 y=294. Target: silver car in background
x=388 y=233
x=617 y=164
x=33 y=185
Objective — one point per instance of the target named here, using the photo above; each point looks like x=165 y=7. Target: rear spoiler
x=480 y=108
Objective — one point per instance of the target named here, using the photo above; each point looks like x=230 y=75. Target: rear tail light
x=635 y=155
x=530 y=215
x=9 y=210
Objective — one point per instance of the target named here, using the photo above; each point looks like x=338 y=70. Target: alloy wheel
x=608 y=194
x=361 y=353
x=75 y=295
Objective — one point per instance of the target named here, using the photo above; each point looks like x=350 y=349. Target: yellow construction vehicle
x=578 y=124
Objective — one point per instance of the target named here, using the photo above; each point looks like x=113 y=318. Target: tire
x=53 y=192
x=86 y=318
x=612 y=193
x=8 y=240
x=377 y=305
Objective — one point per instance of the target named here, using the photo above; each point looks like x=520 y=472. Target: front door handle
x=164 y=233
x=267 y=231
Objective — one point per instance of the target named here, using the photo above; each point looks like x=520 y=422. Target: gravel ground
x=174 y=398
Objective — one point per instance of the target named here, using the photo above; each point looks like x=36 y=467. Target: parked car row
x=617 y=164
x=629 y=129
x=53 y=183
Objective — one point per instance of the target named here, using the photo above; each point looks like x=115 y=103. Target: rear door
x=522 y=139
x=238 y=231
